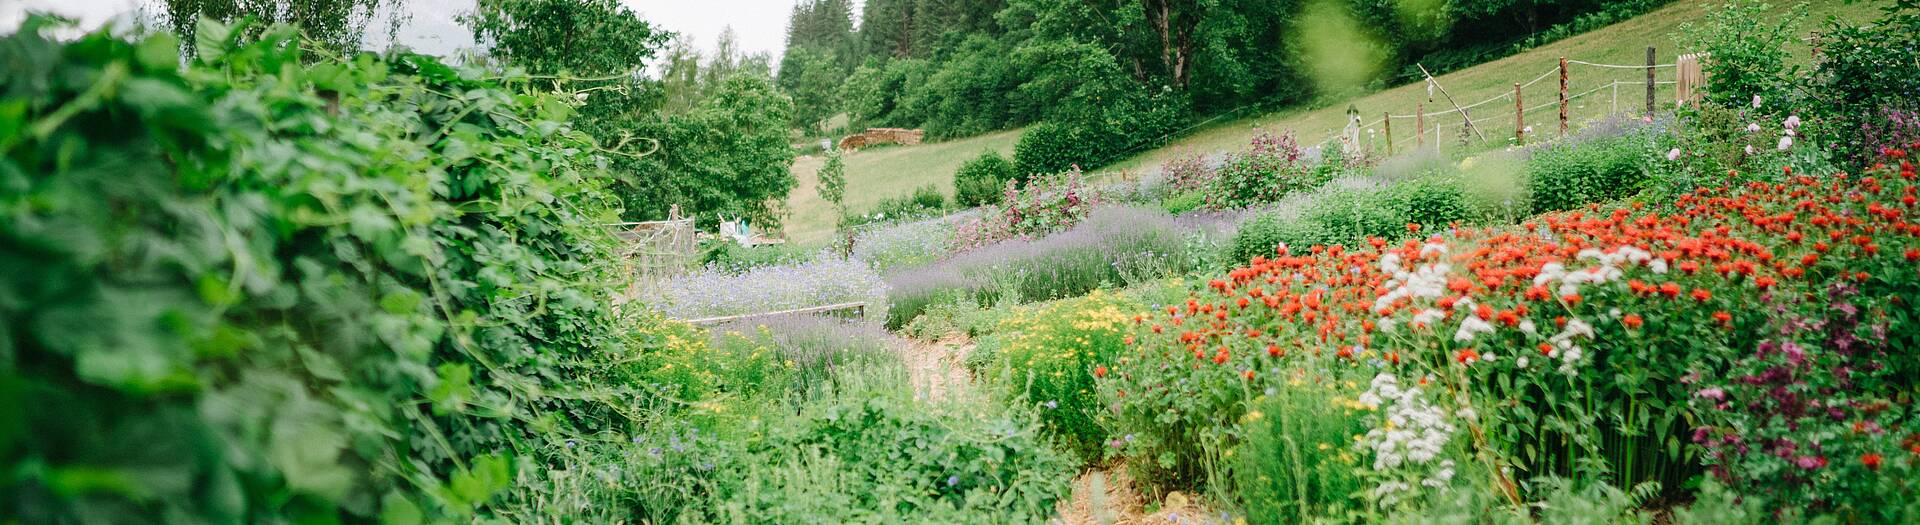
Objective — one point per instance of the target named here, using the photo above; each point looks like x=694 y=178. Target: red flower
x=1701 y=294
x=1274 y=351
x=1723 y=317
x=1870 y=460
x=1100 y=371
x=1632 y=321
x=1249 y=375
x=1467 y=356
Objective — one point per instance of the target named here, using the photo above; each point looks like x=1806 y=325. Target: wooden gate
x=656 y=250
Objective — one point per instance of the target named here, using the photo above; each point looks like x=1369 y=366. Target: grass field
x=879 y=173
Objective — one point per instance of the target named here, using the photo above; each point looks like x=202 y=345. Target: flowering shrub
x=1571 y=345
x=822 y=281
x=1188 y=170
x=1566 y=174
x=1271 y=167
x=1045 y=204
x=1049 y=356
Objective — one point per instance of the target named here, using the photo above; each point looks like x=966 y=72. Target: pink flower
x=1714 y=393
x=1785 y=143
x=1793 y=122
x=1673 y=154
x=1756 y=102
x=1810 y=462
x=1753 y=127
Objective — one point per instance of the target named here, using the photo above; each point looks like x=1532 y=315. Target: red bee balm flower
x=1100 y=371
x=1632 y=321
x=1870 y=460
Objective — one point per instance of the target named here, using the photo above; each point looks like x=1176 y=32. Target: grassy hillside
x=879 y=173
x=1622 y=43
x=882 y=172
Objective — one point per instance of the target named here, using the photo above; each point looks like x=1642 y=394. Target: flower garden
x=238 y=300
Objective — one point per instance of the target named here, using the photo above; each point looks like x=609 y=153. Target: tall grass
x=816 y=349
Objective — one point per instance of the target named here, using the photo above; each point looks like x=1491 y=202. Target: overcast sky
x=433 y=29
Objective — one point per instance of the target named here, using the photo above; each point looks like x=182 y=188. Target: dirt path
x=1106 y=497
x=936 y=367
x=1100 y=497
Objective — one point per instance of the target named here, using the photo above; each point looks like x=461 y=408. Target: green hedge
x=278 y=286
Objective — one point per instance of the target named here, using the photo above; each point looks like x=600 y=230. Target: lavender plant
x=822 y=281
x=815 y=349
x=909 y=244
x=1114 y=245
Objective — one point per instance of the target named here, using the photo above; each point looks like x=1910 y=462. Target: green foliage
x=1863 y=73
x=275 y=285
x=726 y=157
x=581 y=37
x=1184 y=202
x=1746 y=42
x=1432 y=202
x=833 y=178
x=1567 y=176
x=1047 y=357
x=337 y=26
x=1297 y=462
x=812 y=77
x=925 y=202
x=869 y=452
x=1270 y=169
x=1333 y=216
x=983 y=180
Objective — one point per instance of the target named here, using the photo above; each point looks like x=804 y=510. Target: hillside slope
x=884 y=172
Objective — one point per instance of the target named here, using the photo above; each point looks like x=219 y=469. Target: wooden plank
x=860 y=308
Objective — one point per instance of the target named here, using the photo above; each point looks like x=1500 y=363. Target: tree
x=336 y=25
x=833 y=180
x=579 y=37
x=812 y=77
x=725 y=155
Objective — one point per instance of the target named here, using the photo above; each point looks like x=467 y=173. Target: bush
x=1432 y=202
x=1863 y=75
x=1048 y=357
x=983 y=180
x=1044 y=205
x=1564 y=176
x=1053 y=147
x=1184 y=202
x=869 y=452
x=924 y=203
x=1749 y=56
x=1270 y=169
x=809 y=350
x=274 y=286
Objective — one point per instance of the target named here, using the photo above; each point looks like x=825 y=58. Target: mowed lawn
x=879 y=173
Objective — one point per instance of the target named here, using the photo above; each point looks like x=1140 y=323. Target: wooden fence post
x=1650 y=83
x=1419 y=126
x=1563 y=96
x=1519 y=117
x=1386 y=119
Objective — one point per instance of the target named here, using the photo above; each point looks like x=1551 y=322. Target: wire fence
x=1514 y=122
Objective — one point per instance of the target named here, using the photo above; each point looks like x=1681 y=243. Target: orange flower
x=1723 y=317
x=1100 y=371
x=1701 y=294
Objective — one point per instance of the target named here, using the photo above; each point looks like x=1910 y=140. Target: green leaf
x=396 y=509
x=160 y=52
x=474 y=486
x=210 y=39
x=454 y=390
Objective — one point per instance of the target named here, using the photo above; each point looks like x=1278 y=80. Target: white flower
x=1785 y=143
x=1753 y=128
x=1756 y=102
x=1749 y=149
x=1673 y=154
x=1521 y=362
x=1792 y=122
